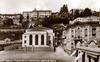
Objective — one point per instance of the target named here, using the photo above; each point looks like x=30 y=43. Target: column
x=39 y=40
x=89 y=58
x=45 y=40
x=51 y=39
x=27 y=40
x=33 y=43
x=23 y=44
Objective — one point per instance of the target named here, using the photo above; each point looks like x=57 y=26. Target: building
x=35 y=15
x=38 y=37
x=72 y=11
x=83 y=31
x=14 y=17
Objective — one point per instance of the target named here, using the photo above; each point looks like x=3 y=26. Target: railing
x=87 y=54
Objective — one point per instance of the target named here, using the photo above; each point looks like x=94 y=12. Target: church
x=38 y=37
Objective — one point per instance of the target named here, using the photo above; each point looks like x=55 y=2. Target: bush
x=14 y=35
x=12 y=47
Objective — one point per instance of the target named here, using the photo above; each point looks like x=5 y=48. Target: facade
x=33 y=16
x=83 y=31
x=14 y=17
x=38 y=37
x=36 y=14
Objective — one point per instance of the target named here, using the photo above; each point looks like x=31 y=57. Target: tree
x=63 y=10
x=21 y=18
x=64 y=15
x=87 y=12
x=8 y=22
x=46 y=22
x=61 y=17
x=96 y=13
x=77 y=14
x=25 y=24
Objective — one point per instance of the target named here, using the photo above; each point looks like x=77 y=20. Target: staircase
x=39 y=49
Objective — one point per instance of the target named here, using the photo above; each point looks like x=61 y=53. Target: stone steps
x=39 y=49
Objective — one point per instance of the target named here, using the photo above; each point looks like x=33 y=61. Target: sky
x=18 y=6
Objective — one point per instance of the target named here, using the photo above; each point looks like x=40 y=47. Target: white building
x=82 y=31
x=35 y=14
x=38 y=37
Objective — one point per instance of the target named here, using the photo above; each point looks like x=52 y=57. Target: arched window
x=42 y=40
x=30 y=38
x=36 y=40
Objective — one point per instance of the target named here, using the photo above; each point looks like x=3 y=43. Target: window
x=24 y=41
x=72 y=43
x=85 y=35
x=72 y=31
x=36 y=40
x=79 y=37
x=30 y=38
x=42 y=40
x=24 y=36
x=78 y=28
x=93 y=31
x=86 y=32
x=72 y=35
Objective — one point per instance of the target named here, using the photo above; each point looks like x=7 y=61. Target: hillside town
x=47 y=36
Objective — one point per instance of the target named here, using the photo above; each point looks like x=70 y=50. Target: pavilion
x=38 y=37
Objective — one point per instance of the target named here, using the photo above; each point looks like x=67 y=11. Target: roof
x=41 y=10
x=37 y=11
x=86 y=19
x=38 y=29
